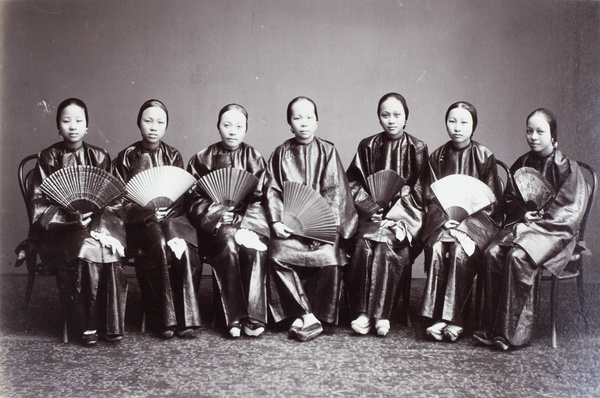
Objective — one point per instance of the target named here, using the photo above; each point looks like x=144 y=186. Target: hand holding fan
x=535 y=190
x=308 y=213
x=82 y=189
x=228 y=186
x=159 y=186
x=384 y=185
x=461 y=195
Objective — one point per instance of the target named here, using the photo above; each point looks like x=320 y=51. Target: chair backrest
x=592 y=196
x=25 y=176
x=504 y=166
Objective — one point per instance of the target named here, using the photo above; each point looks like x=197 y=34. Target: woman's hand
x=377 y=216
x=228 y=217
x=533 y=216
x=84 y=219
x=451 y=224
x=281 y=230
x=161 y=213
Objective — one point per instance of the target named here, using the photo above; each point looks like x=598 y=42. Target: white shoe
x=382 y=326
x=361 y=325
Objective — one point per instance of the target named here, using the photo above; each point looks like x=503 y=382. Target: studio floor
x=34 y=362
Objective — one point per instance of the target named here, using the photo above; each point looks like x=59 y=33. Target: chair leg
x=143 y=327
x=406 y=296
x=478 y=301
x=553 y=294
x=29 y=291
x=65 y=332
x=581 y=293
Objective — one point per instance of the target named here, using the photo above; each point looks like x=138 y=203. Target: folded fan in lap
x=159 y=186
x=461 y=195
x=384 y=185
x=535 y=190
x=82 y=188
x=228 y=186
x=308 y=213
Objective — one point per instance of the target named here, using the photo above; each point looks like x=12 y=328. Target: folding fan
x=308 y=213
x=462 y=195
x=228 y=186
x=534 y=188
x=384 y=185
x=82 y=189
x=159 y=186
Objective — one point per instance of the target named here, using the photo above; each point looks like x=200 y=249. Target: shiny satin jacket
x=407 y=156
x=204 y=214
x=59 y=222
x=477 y=161
x=550 y=241
x=135 y=159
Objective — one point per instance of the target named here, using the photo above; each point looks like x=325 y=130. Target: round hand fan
x=82 y=189
x=461 y=195
x=308 y=213
x=535 y=190
x=384 y=185
x=159 y=186
x=228 y=186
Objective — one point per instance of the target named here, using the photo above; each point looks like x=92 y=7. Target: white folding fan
x=82 y=188
x=535 y=190
x=159 y=186
x=462 y=195
x=308 y=213
x=228 y=186
x=384 y=185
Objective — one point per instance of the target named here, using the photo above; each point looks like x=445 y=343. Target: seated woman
x=86 y=249
x=162 y=241
x=388 y=237
x=238 y=269
x=531 y=239
x=453 y=250
x=305 y=274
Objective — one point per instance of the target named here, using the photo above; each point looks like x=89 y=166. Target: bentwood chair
x=28 y=250
x=574 y=268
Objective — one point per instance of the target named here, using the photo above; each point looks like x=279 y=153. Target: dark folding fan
x=308 y=213
x=462 y=195
x=228 y=186
x=384 y=185
x=534 y=188
x=82 y=189
x=159 y=186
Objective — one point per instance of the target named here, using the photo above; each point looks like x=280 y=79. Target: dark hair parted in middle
x=67 y=102
x=149 y=104
x=550 y=118
x=292 y=102
x=466 y=106
x=233 y=107
x=396 y=96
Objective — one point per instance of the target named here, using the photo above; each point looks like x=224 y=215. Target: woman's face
x=232 y=128
x=73 y=125
x=538 y=135
x=303 y=121
x=392 y=117
x=459 y=126
x=153 y=125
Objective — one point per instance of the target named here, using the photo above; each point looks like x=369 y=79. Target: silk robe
x=168 y=284
x=239 y=272
x=378 y=258
x=90 y=277
x=520 y=250
x=449 y=281
x=296 y=260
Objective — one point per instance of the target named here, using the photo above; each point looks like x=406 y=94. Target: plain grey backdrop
x=506 y=57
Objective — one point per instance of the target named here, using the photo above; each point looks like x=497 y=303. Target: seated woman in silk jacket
x=453 y=250
x=305 y=276
x=163 y=241
x=531 y=239
x=86 y=249
x=238 y=268
x=388 y=237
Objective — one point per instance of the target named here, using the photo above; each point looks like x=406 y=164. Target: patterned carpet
x=34 y=362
